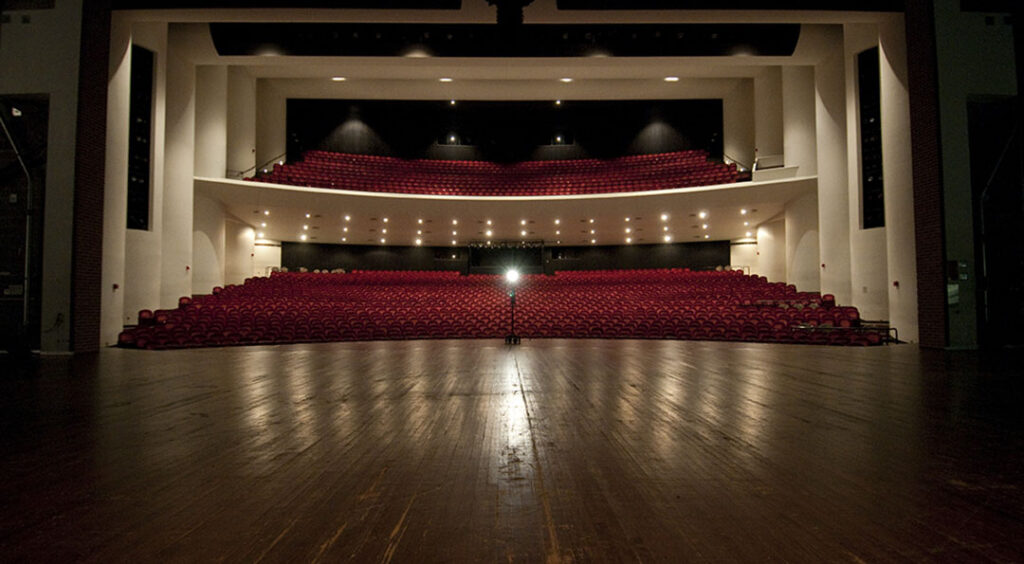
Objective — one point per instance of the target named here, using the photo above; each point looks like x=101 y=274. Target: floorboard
x=555 y=450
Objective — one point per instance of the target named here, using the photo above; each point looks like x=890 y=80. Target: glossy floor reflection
x=426 y=451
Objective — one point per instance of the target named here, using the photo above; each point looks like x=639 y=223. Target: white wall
x=241 y=134
x=176 y=259
x=271 y=121
x=771 y=250
x=239 y=251
x=211 y=141
x=744 y=254
x=267 y=256
x=868 y=265
x=833 y=179
x=802 y=243
x=142 y=249
x=798 y=136
x=738 y=123
x=897 y=169
x=208 y=244
x=41 y=57
x=768 y=112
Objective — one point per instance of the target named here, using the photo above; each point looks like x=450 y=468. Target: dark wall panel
x=367 y=257
x=504 y=131
x=678 y=255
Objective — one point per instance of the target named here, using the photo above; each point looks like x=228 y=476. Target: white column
x=802 y=243
x=768 y=112
x=738 y=123
x=239 y=252
x=798 y=119
x=144 y=249
x=208 y=243
x=868 y=272
x=271 y=123
x=833 y=180
x=176 y=263
x=898 y=180
x=241 y=153
x=211 y=143
x=744 y=254
x=115 y=187
x=771 y=250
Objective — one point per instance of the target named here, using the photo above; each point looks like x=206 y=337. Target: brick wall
x=90 y=152
x=925 y=147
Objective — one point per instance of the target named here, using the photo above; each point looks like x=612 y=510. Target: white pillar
x=208 y=243
x=115 y=187
x=241 y=138
x=271 y=123
x=802 y=243
x=798 y=119
x=833 y=180
x=897 y=177
x=176 y=263
x=768 y=112
x=239 y=252
x=771 y=250
x=738 y=123
x=211 y=104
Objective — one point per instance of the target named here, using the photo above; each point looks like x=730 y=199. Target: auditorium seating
x=371 y=173
x=644 y=304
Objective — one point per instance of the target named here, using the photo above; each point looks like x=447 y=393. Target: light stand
x=512 y=278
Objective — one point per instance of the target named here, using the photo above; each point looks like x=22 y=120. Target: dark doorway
x=22 y=185
x=995 y=143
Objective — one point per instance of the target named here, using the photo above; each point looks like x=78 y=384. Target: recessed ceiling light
x=565 y=79
x=488 y=233
x=419 y=232
x=592 y=231
x=420 y=221
x=557 y=221
x=749 y=233
x=627 y=219
x=445 y=79
x=383 y=240
x=385 y=230
x=523 y=233
x=743 y=211
x=522 y=222
x=702 y=214
x=664 y=217
x=343 y=239
x=668 y=238
x=454 y=241
x=302 y=237
x=488 y=222
x=628 y=230
x=665 y=228
x=308 y=216
x=704 y=226
x=419 y=241
x=385 y=220
x=455 y=222
x=746 y=224
x=348 y=217
x=305 y=228
x=345 y=229
x=591 y=221
x=558 y=232
x=671 y=79
x=266 y=212
x=451 y=102
x=259 y=235
x=264 y=224
x=592 y=241
x=707 y=236
x=455 y=232
x=629 y=239
x=558 y=102
x=338 y=78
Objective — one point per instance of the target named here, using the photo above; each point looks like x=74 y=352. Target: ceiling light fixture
x=338 y=78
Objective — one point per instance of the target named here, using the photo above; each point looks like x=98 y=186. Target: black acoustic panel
x=483 y=40
x=326 y=256
x=697 y=256
x=862 y=6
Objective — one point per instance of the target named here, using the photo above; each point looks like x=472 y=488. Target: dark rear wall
x=360 y=257
x=504 y=131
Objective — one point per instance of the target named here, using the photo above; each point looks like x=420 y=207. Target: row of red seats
x=671 y=303
x=477 y=178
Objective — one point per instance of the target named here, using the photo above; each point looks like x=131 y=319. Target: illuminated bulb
x=746 y=223
x=419 y=241
x=665 y=228
x=704 y=226
x=592 y=241
x=558 y=232
x=565 y=79
x=345 y=229
x=419 y=221
x=419 y=232
x=385 y=220
x=671 y=79
x=455 y=232
x=259 y=235
x=452 y=102
x=523 y=233
x=343 y=239
x=702 y=215
x=557 y=221
x=592 y=231
x=664 y=217
x=488 y=222
x=488 y=233
x=383 y=230
x=338 y=78
x=627 y=219
x=382 y=240
x=266 y=212
x=629 y=239
x=307 y=216
x=628 y=230
x=305 y=228
x=264 y=224
x=707 y=236
x=748 y=233
x=455 y=222
x=444 y=79
x=522 y=222
x=743 y=211
x=558 y=102
x=668 y=238
x=302 y=237
x=348 y=217
x=591 y=221
x=453 y=241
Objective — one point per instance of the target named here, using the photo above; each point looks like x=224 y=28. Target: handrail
x=251 y=171
x=737 y=161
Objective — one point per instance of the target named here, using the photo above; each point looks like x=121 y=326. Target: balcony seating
x=371 y=173
x=635 y=304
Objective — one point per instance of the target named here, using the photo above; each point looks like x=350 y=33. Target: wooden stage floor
x=557 y=451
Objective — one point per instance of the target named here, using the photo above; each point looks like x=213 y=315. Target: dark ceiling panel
x=335 y=4
x=480 y=40
x=860 y=6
